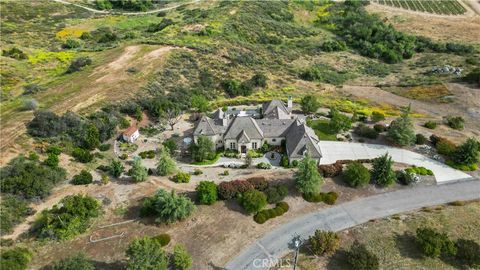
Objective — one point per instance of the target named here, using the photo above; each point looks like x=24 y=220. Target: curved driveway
x=263 y=253
x=333 y=151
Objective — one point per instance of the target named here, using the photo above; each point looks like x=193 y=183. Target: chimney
x=225 y=122
x=290 y=102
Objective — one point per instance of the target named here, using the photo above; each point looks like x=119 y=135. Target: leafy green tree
x=138 y=172
x=76 y=262
x=382 y=172
x=401 y=130
x=324 y=242
x=168 y=207
x=14 y=211
x=181 y=259
x=29 y=179
x=356 y=175
x=200 y=103
x=204 y=149
x=165 y=165
x=91 y=137
x=52 y=160
x=467 y=153
x=70 y=217
x=360 y=258
x=146 y=254
x=309 y=104
x=207 y=192
x=253 y=201
x=15 y=258
x=307 y=178
x=339 y=122
x=433 y=243
x=116 y=168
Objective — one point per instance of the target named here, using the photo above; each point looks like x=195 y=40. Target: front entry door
x=244 y=149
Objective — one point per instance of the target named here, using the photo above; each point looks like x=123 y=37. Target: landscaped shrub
x=467 y=153
x=468 y=253
x=206 y=192
x=167 y=207
x=382 y=172
x=181 y=259
x=433 y=243
x=356 y=175
x=419 y=170
x=324 y=242
x=258 y=183
x=147 y=154
x=75 y=262
x=181 y=177
x=284 y=162
x=420 y=139
x=104 y=147
x=116 y=168
x=365 y=131
x=377 y=116
x=455 y=122
x=264 y=166
x=405 y=178
x=380 y=128
x=462 y=167
x=276 y=193
x=15 y=258
x=445 y=147
x=163 y=239
x=231 y=153
x=430 y=124
x=230 y=190
x=197 y=172
x=264 y=215
x=83 y=178
x=329 y=198
x=331 y=170
x=253 y=201
x=81 y=155
x=146 y=253
x=360 y=258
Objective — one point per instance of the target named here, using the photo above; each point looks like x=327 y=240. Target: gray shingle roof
x=208 y=127
x=275 y=109
x=274 y=127
x=218 y=114
x=247 y=124
x=301 y=138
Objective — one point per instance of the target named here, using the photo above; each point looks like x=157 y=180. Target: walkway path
x=263 y=253
x=333 y=151
x=124 y=13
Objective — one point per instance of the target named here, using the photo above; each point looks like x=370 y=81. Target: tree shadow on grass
x=406 y=245
x=338 y=261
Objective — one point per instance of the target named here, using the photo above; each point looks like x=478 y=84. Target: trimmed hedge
x=258 y=183
x=264 y=215
x=230 y=190
x=276 y=193
x=328 y=198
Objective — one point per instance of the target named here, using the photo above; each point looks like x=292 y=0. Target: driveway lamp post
x=297 y=247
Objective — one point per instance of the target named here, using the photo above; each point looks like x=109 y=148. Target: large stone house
x=273 y=123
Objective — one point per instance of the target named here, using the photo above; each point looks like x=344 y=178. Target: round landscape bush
x=260 y=218
x=83 y=178
x=356 y=175
x=330 y=198
x=284 y=206
x=420 y=139
x=163 y=239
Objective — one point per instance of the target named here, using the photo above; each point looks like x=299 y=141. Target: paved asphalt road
x=263 y=253
x=333 y=151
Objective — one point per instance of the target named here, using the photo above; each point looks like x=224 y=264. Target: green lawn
x=323 y=130
x=208 y=161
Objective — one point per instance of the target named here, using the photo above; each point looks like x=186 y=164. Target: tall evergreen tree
x=138 y=172
x=307 y=178
x=382 y=172
x=401 y=130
